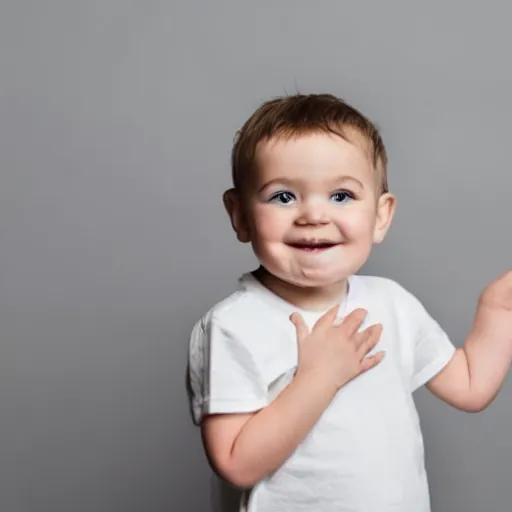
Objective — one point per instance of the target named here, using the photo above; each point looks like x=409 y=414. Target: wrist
x=316 y=381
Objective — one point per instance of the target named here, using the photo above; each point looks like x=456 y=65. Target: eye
x=342 y=196
x=282 y=197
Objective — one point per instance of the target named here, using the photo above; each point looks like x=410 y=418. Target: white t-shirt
x=365 y=453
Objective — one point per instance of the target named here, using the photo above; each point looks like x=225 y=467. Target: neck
x=307 y=298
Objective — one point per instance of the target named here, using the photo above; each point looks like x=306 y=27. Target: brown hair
x=300 y=114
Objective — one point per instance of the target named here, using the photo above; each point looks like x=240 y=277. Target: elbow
x=237 y=477
x=473 y=408
x=236 y=474
x=242 y=483
x=476 y=403
x=234 y=464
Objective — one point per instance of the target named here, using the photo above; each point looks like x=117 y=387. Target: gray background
x=116 y=122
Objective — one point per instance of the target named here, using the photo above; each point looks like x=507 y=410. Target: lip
x=313 y=245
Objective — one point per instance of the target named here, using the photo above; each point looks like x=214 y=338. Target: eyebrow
x=291 y=182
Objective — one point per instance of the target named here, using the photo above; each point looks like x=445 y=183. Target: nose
x=312 y=213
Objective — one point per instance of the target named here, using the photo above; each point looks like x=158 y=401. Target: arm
x=243 y=448
x=474 y=376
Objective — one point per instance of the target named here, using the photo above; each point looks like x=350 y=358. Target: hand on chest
x=278 y=356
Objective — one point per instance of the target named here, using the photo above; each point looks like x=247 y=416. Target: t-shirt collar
x=249 y=282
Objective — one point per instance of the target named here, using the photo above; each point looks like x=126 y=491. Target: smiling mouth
x=313 y=246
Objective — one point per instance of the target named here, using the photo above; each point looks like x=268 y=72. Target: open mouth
x=313 y=246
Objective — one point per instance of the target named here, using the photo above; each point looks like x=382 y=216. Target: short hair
x=302 y=114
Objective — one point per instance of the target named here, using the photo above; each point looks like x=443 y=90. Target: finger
x=371 y=361
x=300 y=326
x=328 y=318
x=374 y=333
x=363 y=336
x=353 y=321
x=360 y=337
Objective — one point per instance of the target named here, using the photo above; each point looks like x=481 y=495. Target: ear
x=233 y=204
x=386 y=206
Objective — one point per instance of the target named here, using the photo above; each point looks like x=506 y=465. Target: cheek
x=270 y=223
x=357 y=223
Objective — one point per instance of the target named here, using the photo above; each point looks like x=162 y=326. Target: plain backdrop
x=116 y=124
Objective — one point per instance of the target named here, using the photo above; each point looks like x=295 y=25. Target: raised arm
x=476 y=373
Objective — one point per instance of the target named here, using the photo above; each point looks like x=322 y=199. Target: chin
x=316 y=283
x=315 y=279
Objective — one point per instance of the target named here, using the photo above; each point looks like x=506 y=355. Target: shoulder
x=401 y=304
x=215 y=320
x=237 y=314
x=236 y=308
x=390 y=295
x=385 y=286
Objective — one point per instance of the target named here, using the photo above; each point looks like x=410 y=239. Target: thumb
x=300 y=326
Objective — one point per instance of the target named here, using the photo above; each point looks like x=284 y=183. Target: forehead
x=313 y=155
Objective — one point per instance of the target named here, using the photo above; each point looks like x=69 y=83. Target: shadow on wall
x=225 y=498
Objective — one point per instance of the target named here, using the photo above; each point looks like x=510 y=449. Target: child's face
x=312 y=213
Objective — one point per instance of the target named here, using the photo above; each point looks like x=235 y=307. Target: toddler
x=302 y=379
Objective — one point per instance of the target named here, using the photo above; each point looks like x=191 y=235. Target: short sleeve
x=222 y=374
x=433 y=348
